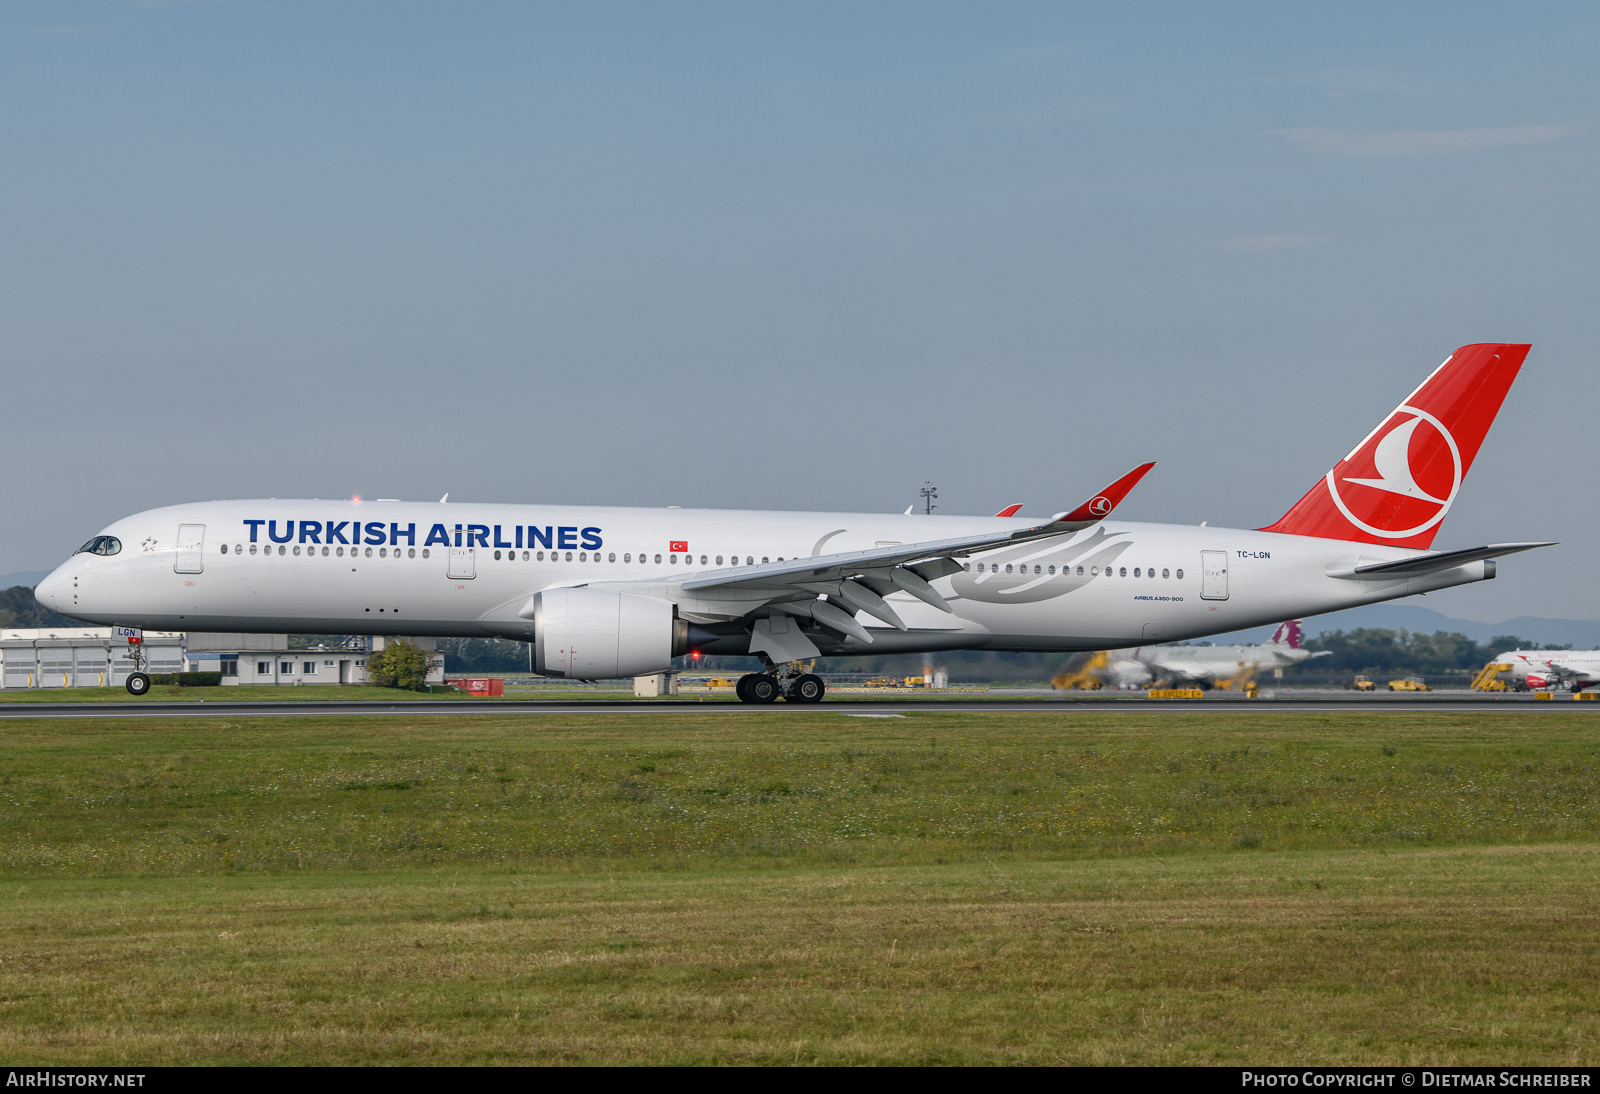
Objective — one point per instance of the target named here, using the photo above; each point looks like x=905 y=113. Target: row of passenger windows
x=1094 y=571
x=383 y=552
x=627 y=557
x=689 y=560
x=510 y=556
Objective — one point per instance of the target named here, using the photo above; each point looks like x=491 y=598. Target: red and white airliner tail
x=1396 y=486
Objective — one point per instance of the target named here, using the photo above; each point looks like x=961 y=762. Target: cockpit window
x=101 y=545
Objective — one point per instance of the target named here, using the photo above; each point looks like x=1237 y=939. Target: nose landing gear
x=138 y=681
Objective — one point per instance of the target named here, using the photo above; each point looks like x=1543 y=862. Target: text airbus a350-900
x=609 y=592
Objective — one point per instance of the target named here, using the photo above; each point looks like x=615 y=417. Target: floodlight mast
x=929 y=492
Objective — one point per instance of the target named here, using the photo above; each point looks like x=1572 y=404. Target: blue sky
x=791 y=256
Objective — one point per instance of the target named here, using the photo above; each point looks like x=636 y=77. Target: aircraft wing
x=1555 y=668
x=931 y=558
x=858 y=581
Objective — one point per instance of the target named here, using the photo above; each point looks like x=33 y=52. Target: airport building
x=87 y=657
x=81 y=657
x=265 y=660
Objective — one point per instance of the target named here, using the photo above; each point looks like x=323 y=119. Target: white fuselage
x=1541 y=668
x=1202 y=662
x=466 y=569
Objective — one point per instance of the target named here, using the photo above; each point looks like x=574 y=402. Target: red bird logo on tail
x=1412 y=444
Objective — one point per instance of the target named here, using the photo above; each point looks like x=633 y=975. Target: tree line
x=1370 y=650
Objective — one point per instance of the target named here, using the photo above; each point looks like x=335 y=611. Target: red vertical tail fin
x=1396 y=486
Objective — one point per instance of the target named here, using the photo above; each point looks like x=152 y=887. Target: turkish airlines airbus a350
x=609 y=592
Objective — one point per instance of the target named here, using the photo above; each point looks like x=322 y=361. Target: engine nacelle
x=599 y=634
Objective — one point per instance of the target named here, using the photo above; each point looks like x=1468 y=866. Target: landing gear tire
x=760 y=688
x=740 y=684
x=807 y=689
x=137 y=683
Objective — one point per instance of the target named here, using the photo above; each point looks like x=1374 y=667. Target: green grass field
x=943 y=887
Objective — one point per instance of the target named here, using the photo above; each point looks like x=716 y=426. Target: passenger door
x=191 y=549
x=1213 y=575
x=462 y=564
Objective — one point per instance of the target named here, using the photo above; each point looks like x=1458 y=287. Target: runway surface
x=1132 y=704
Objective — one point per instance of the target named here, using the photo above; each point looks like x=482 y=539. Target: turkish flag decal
x=679 y=545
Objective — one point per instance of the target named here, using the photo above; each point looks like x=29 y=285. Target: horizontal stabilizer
x=1433 y=563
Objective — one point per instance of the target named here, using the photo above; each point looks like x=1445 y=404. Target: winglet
x=1099 y=507
x=1010 y=510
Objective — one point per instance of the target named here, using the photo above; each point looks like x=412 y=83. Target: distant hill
x=18 y=608
x=30 y=578
x=1583 y=634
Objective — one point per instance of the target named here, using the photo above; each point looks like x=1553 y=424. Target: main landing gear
x=766 y=687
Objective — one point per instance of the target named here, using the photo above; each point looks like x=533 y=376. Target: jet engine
x=599 y=634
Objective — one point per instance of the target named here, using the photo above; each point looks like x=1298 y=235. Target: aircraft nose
x=53 y=587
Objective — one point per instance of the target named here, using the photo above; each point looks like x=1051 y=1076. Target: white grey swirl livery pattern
x=1093 y=549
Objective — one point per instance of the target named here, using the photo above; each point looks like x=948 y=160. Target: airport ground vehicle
x=1361 y=683
x=1409 y=683
x=604 y=592
x=1088 y=676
